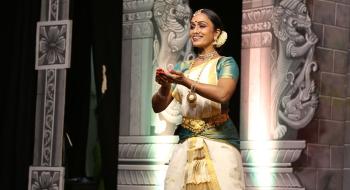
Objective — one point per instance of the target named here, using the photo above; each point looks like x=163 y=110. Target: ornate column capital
x=257 y=20
x=137 y=15
x=256 y=40
x=132 y=6
x=138 y=30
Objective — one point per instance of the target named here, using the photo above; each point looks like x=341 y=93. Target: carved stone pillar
x=155 y=34
x=171 y=45
x=137 y=54
x=52 y=58
x=142 y=161
x=137 y=166
x=277 y=91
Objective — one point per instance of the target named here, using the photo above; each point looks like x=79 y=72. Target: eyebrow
x=199 y=22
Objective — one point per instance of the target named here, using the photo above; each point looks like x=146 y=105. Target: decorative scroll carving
x=256 y=40
x=172 y=21
x=137 y=17
x=256 y=20
x=41 y=178
x=171 y=43
x=127 y=31
x=138 y=30
x=256 y=27
x=53 y=44
x=245 y=42
x=49 y=114
x=293 y=90
x=53 y=9
x=146 y=15
x=137 y=5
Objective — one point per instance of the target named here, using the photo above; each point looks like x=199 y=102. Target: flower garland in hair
x=221 y=39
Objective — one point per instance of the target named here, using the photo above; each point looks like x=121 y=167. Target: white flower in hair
x=221 y=39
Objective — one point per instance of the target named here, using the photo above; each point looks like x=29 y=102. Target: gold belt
x=200 y=125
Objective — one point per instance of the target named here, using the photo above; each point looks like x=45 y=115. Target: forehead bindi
x=200 y=18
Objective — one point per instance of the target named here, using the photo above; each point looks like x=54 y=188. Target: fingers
x=159 y=71
x=175 y=72
x=311 y=38
x=169 y=76
x=172 y=76
x=161 y=79
x=164 y=74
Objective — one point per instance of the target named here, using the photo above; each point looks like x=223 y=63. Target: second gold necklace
x=192 y=96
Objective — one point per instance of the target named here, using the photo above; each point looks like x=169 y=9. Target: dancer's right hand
x=162 y=78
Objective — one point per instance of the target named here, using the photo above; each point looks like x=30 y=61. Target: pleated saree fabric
x=207 y=159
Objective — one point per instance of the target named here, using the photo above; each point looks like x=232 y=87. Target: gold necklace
x=207 y=56
x=192 y=96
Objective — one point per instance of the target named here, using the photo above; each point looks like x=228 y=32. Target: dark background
x=96 y=27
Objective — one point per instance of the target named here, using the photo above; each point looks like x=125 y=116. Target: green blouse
x=226 y=67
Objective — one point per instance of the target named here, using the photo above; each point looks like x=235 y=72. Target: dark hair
x=214 y=18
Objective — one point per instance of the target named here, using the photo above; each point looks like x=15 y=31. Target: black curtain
x=97 y=37
x=107 y=38
x=96 y=28
x=18 y=91
x=78 y=90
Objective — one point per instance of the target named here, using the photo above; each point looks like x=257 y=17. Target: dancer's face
x=202 y=32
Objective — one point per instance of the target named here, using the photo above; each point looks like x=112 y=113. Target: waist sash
x=199 y=125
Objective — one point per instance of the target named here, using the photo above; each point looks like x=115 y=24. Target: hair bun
x=221 y=39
